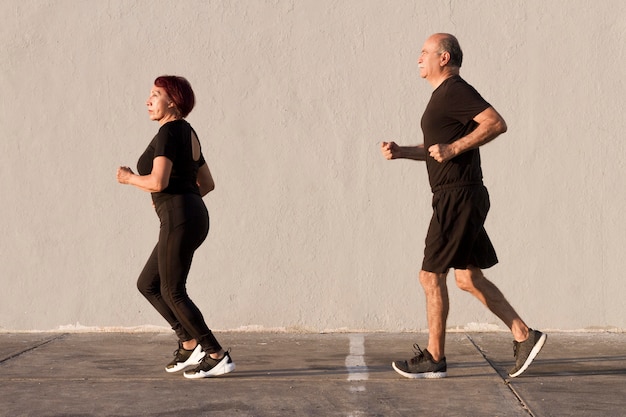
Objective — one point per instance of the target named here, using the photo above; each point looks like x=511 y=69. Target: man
x=456 y=122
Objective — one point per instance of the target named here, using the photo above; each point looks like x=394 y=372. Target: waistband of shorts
x=169 y=201
x=456 y=185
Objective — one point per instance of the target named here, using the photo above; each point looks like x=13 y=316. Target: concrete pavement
x=292 y=374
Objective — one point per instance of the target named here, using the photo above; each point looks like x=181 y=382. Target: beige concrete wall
x=311 y=228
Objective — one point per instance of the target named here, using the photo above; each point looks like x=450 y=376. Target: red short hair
x=179 y=90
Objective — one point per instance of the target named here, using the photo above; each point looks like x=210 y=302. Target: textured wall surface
x=311 y=229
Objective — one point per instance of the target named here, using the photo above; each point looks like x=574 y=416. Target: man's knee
x=431 y=279
x=466 y=279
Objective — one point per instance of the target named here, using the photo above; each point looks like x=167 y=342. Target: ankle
x=190 y=344
x=521 y=335
x=218 y=355
x=435 y=357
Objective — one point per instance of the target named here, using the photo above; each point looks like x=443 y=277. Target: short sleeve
x=468 y=103
x=165 y=143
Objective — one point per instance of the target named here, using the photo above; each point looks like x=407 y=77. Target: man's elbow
x=501 y=126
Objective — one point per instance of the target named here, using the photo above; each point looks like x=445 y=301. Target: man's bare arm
x=490 y=126
x=392 y=150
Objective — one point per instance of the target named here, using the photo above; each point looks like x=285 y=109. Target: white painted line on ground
x=355 y=361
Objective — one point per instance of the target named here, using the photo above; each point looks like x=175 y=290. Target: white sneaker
x=210 y=367
x=184 y=358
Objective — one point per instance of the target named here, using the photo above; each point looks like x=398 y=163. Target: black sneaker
x=526 y=351
x=212 y=367
x=421 y=366
x=184 y=358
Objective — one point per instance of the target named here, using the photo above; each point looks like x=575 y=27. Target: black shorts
x=456 y=236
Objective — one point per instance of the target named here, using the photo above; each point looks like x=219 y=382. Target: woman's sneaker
x=184 y=358
x=210 y=367
x=421 y=366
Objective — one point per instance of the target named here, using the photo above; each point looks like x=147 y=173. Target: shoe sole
x=533 y=354
x=424 y=375
x=222 y=368
x=196 y=357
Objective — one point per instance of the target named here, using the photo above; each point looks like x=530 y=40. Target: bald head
x=450 y=44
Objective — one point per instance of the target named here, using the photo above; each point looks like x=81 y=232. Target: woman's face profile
x=159 y=104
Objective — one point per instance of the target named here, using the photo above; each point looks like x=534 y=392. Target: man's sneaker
x=184 y=358
x=212 y=367
x=526 y=351
x=421 y=366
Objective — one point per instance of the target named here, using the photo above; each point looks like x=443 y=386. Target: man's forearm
x=415 y=153
x=482 y=135
x=490 y=126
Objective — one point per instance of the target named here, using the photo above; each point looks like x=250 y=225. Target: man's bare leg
x=437 y=307
x=473 y=281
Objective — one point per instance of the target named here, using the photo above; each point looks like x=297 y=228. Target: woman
x=173 y=169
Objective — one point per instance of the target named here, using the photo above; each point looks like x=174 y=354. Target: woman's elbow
x=160 y=186
x=208 y=188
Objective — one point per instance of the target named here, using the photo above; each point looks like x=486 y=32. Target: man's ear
x=444 y=58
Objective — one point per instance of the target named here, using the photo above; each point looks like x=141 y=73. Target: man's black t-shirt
x=448 y=117
x=173 y=141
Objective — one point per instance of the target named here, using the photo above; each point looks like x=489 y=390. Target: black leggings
x=184 y=226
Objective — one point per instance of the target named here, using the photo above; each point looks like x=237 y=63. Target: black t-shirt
x=449 y=116
x=174 y=141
